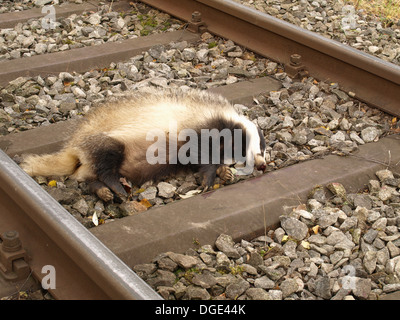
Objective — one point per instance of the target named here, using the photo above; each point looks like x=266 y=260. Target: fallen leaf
x=52 y=183
x=146 y=203
x=189 y=194
x=126 y=184
x=315 y=229
x=305 y=244
x=95 y=219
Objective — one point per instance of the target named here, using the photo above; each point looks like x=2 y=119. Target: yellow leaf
x=52 y=183
x=305 y=245
x=146 y=203
x=140 y=190
x=285 y=238
x=315 y=229
x=216 y=186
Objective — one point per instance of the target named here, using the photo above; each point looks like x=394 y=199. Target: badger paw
x=225 y=173
x=105 y=194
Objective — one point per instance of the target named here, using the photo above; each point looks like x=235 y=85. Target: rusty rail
x=370 y=79
x=84 y=267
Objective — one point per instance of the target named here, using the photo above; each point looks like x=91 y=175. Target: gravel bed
x=21 y=5
x=372 y=34
x=337 y=246
x=86 y=29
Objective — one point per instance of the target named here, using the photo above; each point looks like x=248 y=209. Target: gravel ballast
x=340 y=21
x=337 y=246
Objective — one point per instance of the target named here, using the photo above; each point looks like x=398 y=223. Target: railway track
x=92 y=264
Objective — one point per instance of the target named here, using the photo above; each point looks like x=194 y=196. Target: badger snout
x=259 y=162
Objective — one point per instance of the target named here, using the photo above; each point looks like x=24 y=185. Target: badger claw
x=225 y=173
x=203 y=188
x=105 y=194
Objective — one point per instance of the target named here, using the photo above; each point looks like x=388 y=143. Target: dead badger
x=151 y=135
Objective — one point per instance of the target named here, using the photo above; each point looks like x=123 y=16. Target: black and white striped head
x=255 y=146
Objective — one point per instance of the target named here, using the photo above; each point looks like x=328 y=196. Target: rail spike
x=196 y=25
x=13 y=258
x=296 y=69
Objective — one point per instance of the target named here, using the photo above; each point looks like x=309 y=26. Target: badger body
x=112 y=141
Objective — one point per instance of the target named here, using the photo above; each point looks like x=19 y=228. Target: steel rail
x=369 y=78
x=85 y=268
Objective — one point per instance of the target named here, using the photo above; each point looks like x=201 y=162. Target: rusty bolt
x=11 y=241
x=196 y=16
x=295 y=59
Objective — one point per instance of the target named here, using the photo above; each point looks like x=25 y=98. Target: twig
x=265 y=226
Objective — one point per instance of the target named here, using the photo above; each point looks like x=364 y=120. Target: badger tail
x=64 y=162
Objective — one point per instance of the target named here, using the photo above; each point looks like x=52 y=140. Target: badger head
x=255 y=147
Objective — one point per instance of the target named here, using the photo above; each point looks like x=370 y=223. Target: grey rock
x=385 y=193
x=162 y=278
x=392 y=287
x=289 y=248
x=81 y=206
x=67 y=105
x=182 y=260
x=237 y=288
x=40 y=48
x=249 y=269
x=65 y=195
x=328 y=220
x=150 y=194
x=255 y=259
x=370 y=134
x=294 y=228
x=258 y=294
x=384 y=175
x=226 y=245
x=166 y=190
x=369 y=261
x=349 y=223
x=264 y=282
x=188 y=54
x=322 y=287
x=204 y=280
x=202 y=54
x=370 y=235
x=362 y=288
x=288 y=287
x=94 y=19
x=196 y=293
x=223 y=262
x=273 y=274
x=41 y=3
x=144 y=270
x=339 y=240
x=361 y=200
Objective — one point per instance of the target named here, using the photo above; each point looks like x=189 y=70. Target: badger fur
x=111 y=141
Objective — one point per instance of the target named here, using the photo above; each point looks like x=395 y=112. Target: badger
x=151 y=135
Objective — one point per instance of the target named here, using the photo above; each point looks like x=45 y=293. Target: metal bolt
x=11 y=241
x=295 y=59
x=196 y=16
